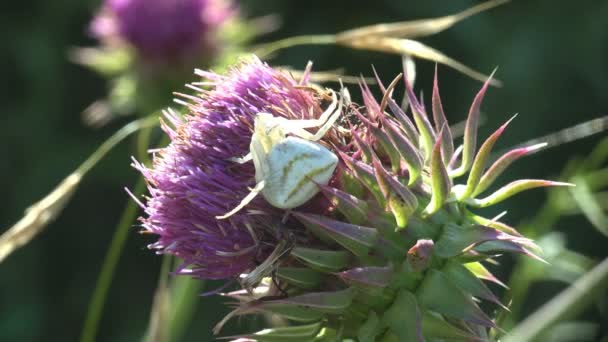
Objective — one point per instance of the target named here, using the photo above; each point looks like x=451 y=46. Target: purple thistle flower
x=193 y=179
x=162 y=30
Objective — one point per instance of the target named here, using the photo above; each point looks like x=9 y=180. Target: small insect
x=288 y=168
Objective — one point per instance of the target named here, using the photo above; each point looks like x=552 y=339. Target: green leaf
x=369 y=276
x=298 y=333
x=370 y=329
x=469 y=283
x=304 y=278
x=322 y=260
x=107 y=62
x=357 y=239
x=438 y=293
x=403 y=317
x=353 y=208
x=293 y=312
x=434 y=327
x=589 y=205
x=480 y=271
x=455 y=239
x=326 y=302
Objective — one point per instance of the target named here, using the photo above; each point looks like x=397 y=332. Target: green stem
x=119 y=238
x=157 y=327
x=566 y=305
x=116 y=138
x=184 y=300
x=109 y=265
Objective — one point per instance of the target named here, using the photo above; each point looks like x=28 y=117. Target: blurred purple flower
x=162 y=30
x=193 y=180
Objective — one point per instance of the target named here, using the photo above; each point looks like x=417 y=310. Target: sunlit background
x=551 y=55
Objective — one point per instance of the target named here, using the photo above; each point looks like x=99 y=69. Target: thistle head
x=195 y=178
x=163 y=31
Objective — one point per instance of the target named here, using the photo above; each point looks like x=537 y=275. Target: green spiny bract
x=395 y=253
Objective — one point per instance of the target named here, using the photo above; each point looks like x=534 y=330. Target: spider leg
x=254 y=192
x=321 y=120
x=243 y=159
x=330 y=122
x=283 y=291
x=296 y=127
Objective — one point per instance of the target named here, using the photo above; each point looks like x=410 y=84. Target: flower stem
x=566 y=305
x=109 y=265
x=104 y=280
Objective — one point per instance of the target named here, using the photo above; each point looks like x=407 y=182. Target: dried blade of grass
x=417 y=28
x=404 y=29
x=570 y=134
x=415 y=49
x=39 y=215
x=564 y=136
x=266 y=50
x=336 y=75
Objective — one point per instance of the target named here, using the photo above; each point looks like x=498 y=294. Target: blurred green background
x=552 y=58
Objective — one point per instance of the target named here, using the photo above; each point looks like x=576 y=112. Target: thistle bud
x=419 y=256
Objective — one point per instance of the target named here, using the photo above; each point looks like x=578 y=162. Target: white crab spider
x=288 y=168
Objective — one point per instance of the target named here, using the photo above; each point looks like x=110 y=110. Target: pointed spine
x=406 y=149
x=407 y=124
x=441 y=182
x=501 y=165
x=384 y=140
x=400 y=200
x=470 y=131
x=365 y=175
x=512 y=189
x=480 y=162
x=354 y=209
x=421 y=120
x=447 y=144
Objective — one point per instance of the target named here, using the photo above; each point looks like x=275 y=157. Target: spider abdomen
x=295 y=167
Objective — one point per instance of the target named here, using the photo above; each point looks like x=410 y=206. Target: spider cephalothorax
x=289 y=168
